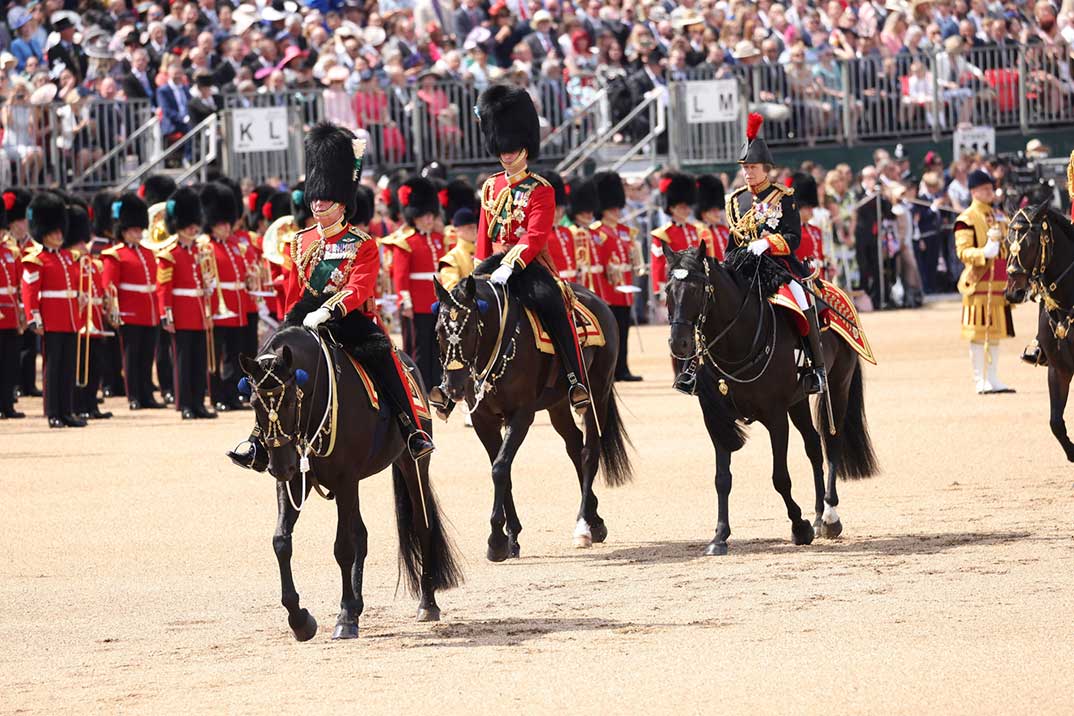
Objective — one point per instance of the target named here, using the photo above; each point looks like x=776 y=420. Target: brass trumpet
x=206 y=264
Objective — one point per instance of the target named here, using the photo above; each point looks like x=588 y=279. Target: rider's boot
x=251 y=453
x=815 y=380
x=561 y=328
x=390 y=378
x=1033 y=355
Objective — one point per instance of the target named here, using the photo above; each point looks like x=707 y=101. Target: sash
x=510 y=208
x=334 y=256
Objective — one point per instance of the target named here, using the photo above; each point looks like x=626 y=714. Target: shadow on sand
x=512 y=631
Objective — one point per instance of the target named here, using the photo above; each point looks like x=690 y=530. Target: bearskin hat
x=583 y=198
x=710 y=194
x=79 y=226
x=129 y=212
x=418 y=197
x=610 y=191
x=364 y=206
x=277 y=206
x=390 y=195
x=805 y=189
x=46 y=213
x=461 y=195
x=559 y=187
x=236 y=195
x=101 y=211
x=218 y=205
x=333 y=165
x=678 y=188
x=16 y=200
x=255 y=201
x=183 y=209
x=156 y=188
x=509 y=121
x=299 y=208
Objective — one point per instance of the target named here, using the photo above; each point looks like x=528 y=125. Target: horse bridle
x=454 y=358
x=1060 y=317
x=272 y=399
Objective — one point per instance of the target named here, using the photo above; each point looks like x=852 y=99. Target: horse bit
x=1060 y=326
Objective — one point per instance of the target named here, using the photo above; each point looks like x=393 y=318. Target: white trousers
x=799 y=295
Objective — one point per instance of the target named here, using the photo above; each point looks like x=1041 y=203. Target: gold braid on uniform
x=1070 y=177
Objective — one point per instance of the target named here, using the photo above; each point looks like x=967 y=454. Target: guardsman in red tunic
x=416 y=249
x=518 y=211
x=12 y=320
x=154 y=190
x=130 y=277
x=680 y=194
x=185 y=303
x=50 y=302
x=582 y=213
x=16 y=200
x=620 y=254
x=112 y=355
x=92 y=309
x=811 y=250
x=228 y=287
x=563 y=247
x=709 y=210
x=334 y=279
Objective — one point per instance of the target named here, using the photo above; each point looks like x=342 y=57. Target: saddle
x=835 y=310
x=586 y=326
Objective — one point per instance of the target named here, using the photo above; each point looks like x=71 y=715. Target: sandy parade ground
x=139 y=577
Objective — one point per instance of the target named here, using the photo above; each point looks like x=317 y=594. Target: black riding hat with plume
x=755 y=150
x=509 y=121
x=333 y=165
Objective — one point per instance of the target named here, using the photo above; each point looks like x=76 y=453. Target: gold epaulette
x=112 y=251
x=164 y=274
x=398 y=238
x=33 y=255
x=595 y=226
x=540 y=179
x=632 y=231
x=661 y=233
x=788 y=190
x=166 y=255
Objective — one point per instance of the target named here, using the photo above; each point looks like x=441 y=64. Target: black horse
x=749 y=373
x=490 y=358
x=1041 y=261
x=295 y=395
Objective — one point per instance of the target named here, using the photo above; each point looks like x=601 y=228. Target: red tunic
x=231 y=285
x=563 y=248
x=812 y=246
x=10 y=280
x=721 y=236
x=96 y=268
x=414 y=259
x=614 y=244
x=181 y=288
x=522 y=215
x=249 y=256
x=354 y=291
x=131 y=273
x=590 y=269
x=50 y=290
x=678 y=237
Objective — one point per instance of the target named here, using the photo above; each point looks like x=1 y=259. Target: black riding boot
x=418 y=442
x=686 y=380
x=815 y=380
x=559 y=326
x=254 y=456
x=1033 y=355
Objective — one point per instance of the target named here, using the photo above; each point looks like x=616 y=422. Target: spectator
x=173 y=98
x=542 y=41
x=137 y=84
x=958 y=79
x=20 y=141
x=27 y=44
x=338 y=104
x=468 y=16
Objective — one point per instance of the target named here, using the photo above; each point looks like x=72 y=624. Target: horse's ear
x=702 y=251
x=665 y=249
x=286 y=359
x=1040 y=211
x=249 y=366
x=441 y=292
x=469 y=288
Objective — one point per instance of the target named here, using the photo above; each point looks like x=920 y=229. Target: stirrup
x=252 y=458
x=579 y=402
x=1033 y=355
x=420 y=444
x=686 y=381
x=814 y=381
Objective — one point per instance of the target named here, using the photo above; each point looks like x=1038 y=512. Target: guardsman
x=415 y=250
x=620 y=254
x=12 y=320
x=16 y=201
x=112 y=355
x=185 y=303
x=93 y=306
x=564 y=245
x=986 y=315
x=228 y=288
x=582 y=213
x=50 y=303
x=154 y=190
x=334 y=278
x=517 y=215
x=764 y=218
x=276 y=208
x=130 y=277
x=709 y=210
x=811 y=249
x=681 y=233
x=248 y=257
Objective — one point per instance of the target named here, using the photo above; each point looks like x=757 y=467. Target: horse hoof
x=498 y=552
x=307 y=630
x=802 y=533
x=428 y=614
x=583 y=541
x=831 y=531
x=515 y=552
x=716 y=549
x=345 y=631
x=600 y=532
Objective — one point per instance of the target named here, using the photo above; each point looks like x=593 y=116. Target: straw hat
x=745 y=49
x=44 y=94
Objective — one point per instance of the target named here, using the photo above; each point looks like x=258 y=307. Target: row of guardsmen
x=180 y=277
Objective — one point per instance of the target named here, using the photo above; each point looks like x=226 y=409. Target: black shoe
x=152 y=404
x=203 y=414
x=56 y=423
x=253 y=458
x=83 y=416
x=73 y=421
x=1034 y=356
x=579 y=397
x=169 y=398
x=188 y=414
x=628 y=378
x=686 y=383
x=11 y=414
x=135 y=405
x=419 y=444
x=31 y=393
x=97 y=414
x=222 y=408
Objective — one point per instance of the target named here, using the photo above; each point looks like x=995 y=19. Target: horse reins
x=1060 y=322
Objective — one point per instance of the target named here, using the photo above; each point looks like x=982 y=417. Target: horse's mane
x=288 y=335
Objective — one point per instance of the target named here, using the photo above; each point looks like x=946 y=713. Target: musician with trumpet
x=275 y=248
x=92 y=336
x=581 y=214
x=130 y=277
x=51 y=305
x=186 y=303
x=12 y=323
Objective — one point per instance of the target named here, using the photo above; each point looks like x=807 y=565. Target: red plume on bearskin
x=251 y=202
x=404 y=195
x=386 y=196
x=665 y=184
x=788 y=182
x=9 y=200
x=753 y=125
x=266 y=211
x=141 y=191
x=442 y=197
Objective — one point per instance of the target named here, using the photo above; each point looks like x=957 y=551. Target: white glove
x=991 y=250
x=995 y=234
x=316 y=318
x=758 y=247
x=501 y=274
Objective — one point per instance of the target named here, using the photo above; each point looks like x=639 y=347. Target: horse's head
x=1028 y=236
x=687 y=293
x=458 y=330
x=276 y=396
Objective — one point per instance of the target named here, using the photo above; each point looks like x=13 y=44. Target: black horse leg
x=801 y=530
x=718 y=546
x=1058 y=392
x=803 y=422
x=504 y=516
x=350 y=550
x=301 y=621
x=563 y=422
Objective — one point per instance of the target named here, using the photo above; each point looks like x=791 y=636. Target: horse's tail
x=857 y=460
x=441 y=564
x=614 y=457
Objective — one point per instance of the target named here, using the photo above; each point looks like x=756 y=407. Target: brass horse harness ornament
x=1059 y=320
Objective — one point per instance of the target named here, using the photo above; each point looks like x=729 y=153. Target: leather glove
x=501 y=274
x=991 y=250
x=316 y=318
x=758 y=247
